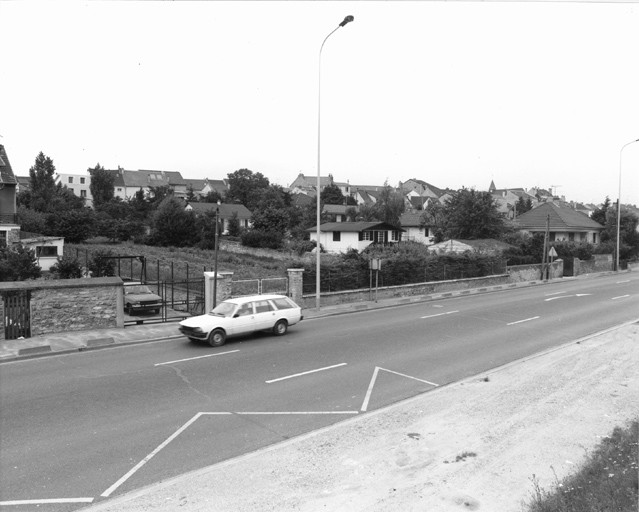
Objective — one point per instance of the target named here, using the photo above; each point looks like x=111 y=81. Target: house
x=47 y=248
x=9 y=228
x=128 y=183
x=342 y=236
x=337 y=212
x=483 y=246
x=24 y=183
x=565 y=223
x=422 y=188
x=411 y=222
x=79 y=184
x=226 y=213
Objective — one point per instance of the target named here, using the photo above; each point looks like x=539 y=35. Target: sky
x=457 y=94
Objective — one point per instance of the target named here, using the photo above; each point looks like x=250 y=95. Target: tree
x=18 y=263
x=522 y=206
x=599 y=215
x=190 y=194
x=173 y=226
x=244 y=187
x=42 y=175
x=31 y=221
x=157 y=195
x=628 y=235
x=332 y=194
x=390 y=205
x=212 y=197
x=434 y=217
x=472 y=215
x=102 y=185
x=75 y=226
x=234 y=225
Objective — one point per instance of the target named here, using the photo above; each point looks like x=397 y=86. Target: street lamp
x=217 y=220
x=346 y=20
x=619 y=202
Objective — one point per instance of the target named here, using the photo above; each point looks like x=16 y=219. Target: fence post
x=223 y=288
x=295 y=280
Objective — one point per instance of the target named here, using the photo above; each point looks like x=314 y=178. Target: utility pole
x=545 y=258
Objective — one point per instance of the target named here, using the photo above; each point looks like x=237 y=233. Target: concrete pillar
x=295 y=281
x=224 y=280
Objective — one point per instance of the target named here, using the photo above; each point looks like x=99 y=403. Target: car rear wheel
x=217 y=338
x=280 y=328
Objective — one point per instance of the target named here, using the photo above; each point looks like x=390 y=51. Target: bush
x=101 y=267
x=18 y=263
x=262 y=239
x=67 y=267
x=301 y=247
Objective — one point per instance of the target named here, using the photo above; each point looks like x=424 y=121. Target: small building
x=411 y=222
x=226 y=213
x=483 y=246
x=342 y=236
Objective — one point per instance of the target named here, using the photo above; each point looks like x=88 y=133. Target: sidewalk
x=75 y=341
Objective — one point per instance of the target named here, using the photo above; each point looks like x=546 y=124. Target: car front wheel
x=217 y=338
x=280 y=328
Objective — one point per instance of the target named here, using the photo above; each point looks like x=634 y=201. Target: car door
x=264 y=314
x=243 y=320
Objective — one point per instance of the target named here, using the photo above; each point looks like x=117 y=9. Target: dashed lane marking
x=45 y=502
x=620 y=297
x=440 y=314
x=522 y=321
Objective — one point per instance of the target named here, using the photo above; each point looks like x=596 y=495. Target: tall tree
x=102 y=185
x=433 y=217
x=244 y=187
x=42 y=175
x=473 y=215
x=390 y=205
x=173 y=226
x=599 y=214
x=332 y=194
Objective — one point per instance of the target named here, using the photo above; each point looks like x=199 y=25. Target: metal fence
x=271 y=285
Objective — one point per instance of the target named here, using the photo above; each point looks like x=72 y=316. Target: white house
x=79 y=184
x=411 y=222
x=342 y=236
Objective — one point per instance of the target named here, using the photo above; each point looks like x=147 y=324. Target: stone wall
x=597 y=263
x=71 y=304
x=389 y=292
x=523 y=273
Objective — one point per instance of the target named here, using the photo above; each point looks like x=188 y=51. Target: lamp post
x=619 y=203
x=346 y=20
x=217 y=223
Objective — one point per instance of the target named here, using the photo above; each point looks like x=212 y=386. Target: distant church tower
x=492 y=187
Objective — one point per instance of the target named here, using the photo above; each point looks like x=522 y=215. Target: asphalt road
x=78 y=428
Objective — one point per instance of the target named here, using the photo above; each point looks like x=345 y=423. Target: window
x=583 y=237
x=82 y=181
x=83 y=193
x=263 y=306
x=379 y=236
x=337 y=236
x=245 y=309
x=46 y=251
x=3 y=238
x=394 y=236
x=552 y=237
x=571 y=237
x=282 y=304
x=70 y=179
x=594 y=238
x=365 y=236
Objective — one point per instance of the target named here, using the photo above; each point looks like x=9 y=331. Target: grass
x=174 y=261
x=607 y=481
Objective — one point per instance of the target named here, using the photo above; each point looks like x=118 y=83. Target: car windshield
x=137 y=289
x=223 y=309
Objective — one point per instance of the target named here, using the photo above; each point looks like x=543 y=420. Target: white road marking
x=46 y=501
x=150 y=456
x=626 y=281
x=305 y=373
x=554 y=293
x=440 y=314
x=565 y=296
x=521 y=321
x=620 y=297
x=291 y=413
x=198 y=357
x=372 y=383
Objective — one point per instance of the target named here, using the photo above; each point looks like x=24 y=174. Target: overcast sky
x=452 y=93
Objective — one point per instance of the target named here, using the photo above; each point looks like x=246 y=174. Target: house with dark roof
x=421 y=188
x=227 y=210
x=9 y=228
x=127 y=183
x=411 y=223
x=564 y=222
x=342 y=236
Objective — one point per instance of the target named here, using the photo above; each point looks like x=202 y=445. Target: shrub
x=67 y=267
x=262 y=239
x=18 y=263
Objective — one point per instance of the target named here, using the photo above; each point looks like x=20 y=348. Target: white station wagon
x=243 y=315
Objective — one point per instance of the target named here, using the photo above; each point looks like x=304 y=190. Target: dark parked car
x=138 y=297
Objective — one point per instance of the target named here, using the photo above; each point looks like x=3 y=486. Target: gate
x=17 y=314
x=272 y=285
x=569 y=265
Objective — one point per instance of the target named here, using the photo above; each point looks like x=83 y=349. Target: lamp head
x=348 y=19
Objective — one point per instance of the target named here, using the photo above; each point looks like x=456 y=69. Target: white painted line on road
x=296 y=412
x=521 y=321
x=372 y=383
x=305 y=373
x=626 y=281
x=198 y=357
x=150 y=456
x=45 y=502
x=566 y=296
x=554 y=293
x=620 y=297
x=440 y=314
